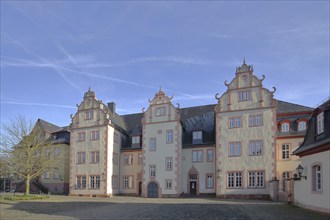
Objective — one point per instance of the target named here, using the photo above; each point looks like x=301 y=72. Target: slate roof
x=48 y=126
x=201 y=118
x=58 y=134
x=313 y=140
x=198 y=118
x=287 y=107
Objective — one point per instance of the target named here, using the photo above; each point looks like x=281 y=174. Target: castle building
x=230 y=149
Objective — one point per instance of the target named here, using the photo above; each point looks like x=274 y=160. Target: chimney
x=112 y=107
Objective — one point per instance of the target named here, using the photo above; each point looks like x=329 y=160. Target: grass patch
x=25 y=197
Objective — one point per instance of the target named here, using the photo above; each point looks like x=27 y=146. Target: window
x=81 y=136
x=56 y=173
x=115 y=158
x=317 y=178
x=128 y=182
x=255 y=120
x=197 y=137
x=89 y=115
x=234 y=122
x=160 y=111
x=197 y=156
x=193 y=176
x=209 y=181
x=169 y=136
x=285 y=127
x=234 y=180
x=128 y=159
x=81 y=157
x=168 y=163
x=81 y=182
x=46 y=175
x=57 y=151
x=256 y=179
x=115 y=182
x=168 y=184
x=285 y=151
x=140 y=159
x=95 y=157
x=210 y=155
x=152 y=144
x=115 y=138
x=94 y=182
x=152 y=170
x=255 y=148
x=234 y=149
x=301 y=126
x=95 y=135
x=244 y=96
x=285 y=177
x=136 y=140
x=320 y=123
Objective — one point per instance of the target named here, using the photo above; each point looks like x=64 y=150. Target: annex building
x=233 y=148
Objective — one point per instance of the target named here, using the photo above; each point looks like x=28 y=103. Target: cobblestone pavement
x=63 y=207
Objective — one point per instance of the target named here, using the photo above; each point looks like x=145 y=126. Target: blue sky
x=51 y=52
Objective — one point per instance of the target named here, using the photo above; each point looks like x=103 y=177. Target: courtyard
x=63 y=207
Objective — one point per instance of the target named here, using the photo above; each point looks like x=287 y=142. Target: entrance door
x=152 y=190
x=193 y=187
x=140 y=188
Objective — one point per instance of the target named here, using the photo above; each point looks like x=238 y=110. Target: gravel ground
x=63 y=207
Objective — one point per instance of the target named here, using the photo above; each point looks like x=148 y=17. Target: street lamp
x=300 y=170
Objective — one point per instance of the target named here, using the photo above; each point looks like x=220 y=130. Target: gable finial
x=160 y=88
x=89 y=88
x=244 y=60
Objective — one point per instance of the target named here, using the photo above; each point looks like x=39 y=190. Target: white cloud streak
x=39 y=104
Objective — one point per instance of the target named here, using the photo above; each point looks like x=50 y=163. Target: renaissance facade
x=232 y=149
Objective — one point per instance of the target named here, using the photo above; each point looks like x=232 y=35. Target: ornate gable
x=245 y=91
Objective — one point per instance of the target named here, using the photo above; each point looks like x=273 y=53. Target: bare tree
x=23 y=149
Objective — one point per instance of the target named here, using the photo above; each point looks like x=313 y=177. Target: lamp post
x=300 y=170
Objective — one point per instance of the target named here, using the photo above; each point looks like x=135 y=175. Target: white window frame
x=152 y=144
x=256 y=179
x=317 y=178
x=152 y=170
x=81 y=182
x=161 y=111
x=169 y=163
x=302 y=126
x=234 y=149
x=209 y=181
x=197 y=156
x=256 y=148
x=244 y=95
x=94 y=157
x=81 y=157
x=136 y=140
x=285 y=151
x=285 y=127
x=169 y=136
x=235 y=122
x=89 y=115
x=234 y=179
x=320 y=123
x=168 y=184
x=81 y=136
x=95 y=135
x=255 y=120
x=94 y=182
x=197 y=135
x=209 y=155
x=285 y=176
